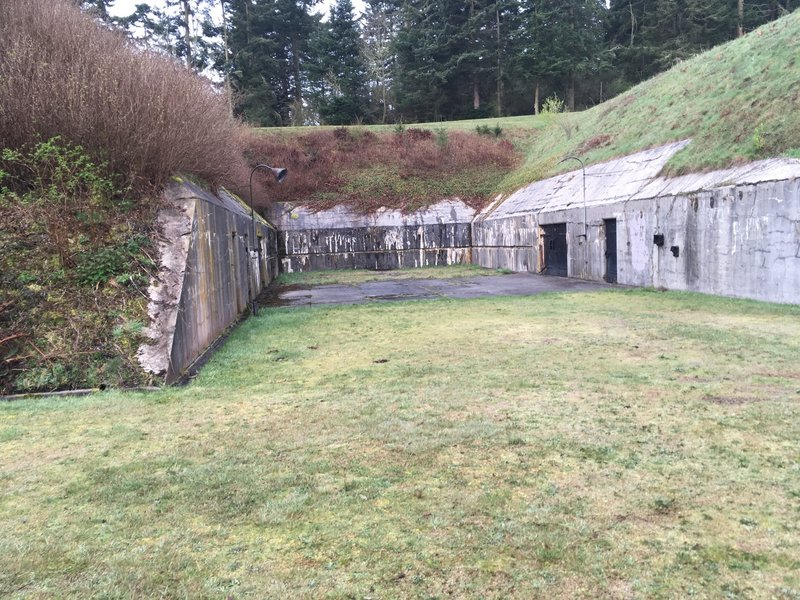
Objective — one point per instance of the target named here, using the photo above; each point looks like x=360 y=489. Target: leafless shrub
x=326 y=166
x=62 y=74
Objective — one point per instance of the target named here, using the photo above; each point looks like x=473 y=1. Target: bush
x=553 y=105
x=74 y=268
x=405 y=170
x=495 y=131
x=145 y=115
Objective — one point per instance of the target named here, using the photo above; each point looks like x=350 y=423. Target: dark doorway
x=611 y=250
x=555 y=249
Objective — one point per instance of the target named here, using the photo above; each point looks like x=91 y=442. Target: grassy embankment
x=738 y=102
x=91 y=127
x=606 y=445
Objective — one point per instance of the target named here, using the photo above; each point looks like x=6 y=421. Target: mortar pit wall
x=215 y=287
x=506 y=243
x=375 y=247
x=741 y=241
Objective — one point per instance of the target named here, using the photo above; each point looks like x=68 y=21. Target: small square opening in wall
x=676 y=251
x=658 y=239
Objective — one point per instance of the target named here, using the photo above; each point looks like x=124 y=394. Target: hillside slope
x=737 y=103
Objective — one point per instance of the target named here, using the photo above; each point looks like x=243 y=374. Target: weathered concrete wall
x=207 y=278
x=740 y=241
x=737 y=231
x=386 y=239
x=505 y=243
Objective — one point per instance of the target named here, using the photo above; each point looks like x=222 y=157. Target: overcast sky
x=126 y=7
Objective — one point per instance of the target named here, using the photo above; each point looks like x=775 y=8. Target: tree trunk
x=297 y=117
x=633 y=21
x=187 y=36
x=740 y=26
x=536 y=99
x=571 y=92
x=383 y=95
x=499 y=68
x=476 y=92
x=228 y=90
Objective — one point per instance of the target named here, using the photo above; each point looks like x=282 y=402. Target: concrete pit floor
x=515 y=284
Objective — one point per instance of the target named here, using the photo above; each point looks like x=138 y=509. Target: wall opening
x=555 y=249
x=611 y=250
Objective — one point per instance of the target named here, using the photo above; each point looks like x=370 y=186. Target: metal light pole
x=583 y=169
x=280 y=174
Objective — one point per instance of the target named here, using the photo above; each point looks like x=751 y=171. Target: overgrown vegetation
x=146 y=116
x=607 y=445
x=75 y=265
x=91 y=126
x=407 y=169
x=738 y=102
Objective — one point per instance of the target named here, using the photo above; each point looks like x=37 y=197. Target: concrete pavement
x=515 y=284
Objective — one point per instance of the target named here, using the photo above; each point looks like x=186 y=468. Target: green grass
x=604 y=445
x=356 y=276
x=506 y=123
x=738 y=102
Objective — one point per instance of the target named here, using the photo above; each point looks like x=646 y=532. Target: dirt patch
x=597 y=141
x=271 y=296
x=734 y=401
x=781 y=375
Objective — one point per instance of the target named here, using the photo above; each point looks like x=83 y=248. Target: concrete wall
x=207 y=276
x=737 y=232
x=386 y=239
x=741 y=241
x=505 y=243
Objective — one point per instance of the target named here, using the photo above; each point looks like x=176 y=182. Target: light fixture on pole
x=583 y=169
x=280 y=174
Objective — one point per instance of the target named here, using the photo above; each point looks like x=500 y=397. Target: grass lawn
x=620 y=444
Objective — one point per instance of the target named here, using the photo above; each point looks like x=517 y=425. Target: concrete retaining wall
x=386 y=239
x=736 y=231
x=209 y=272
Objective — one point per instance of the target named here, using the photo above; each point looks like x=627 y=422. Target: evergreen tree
x=268 y=41
x=339 y=68
x=429 y=45
x=575 y=38
x=379 y=29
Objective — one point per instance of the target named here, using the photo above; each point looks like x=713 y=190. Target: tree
x=379 y=29
x=339 y=68
x=429 y=45
x=268 y=41
x=98 y=8
x=181 y=28
x=573 y=38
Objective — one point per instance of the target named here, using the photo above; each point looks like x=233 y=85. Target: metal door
x=611 y=250
x=555 y=249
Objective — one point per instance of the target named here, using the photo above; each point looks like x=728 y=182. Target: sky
x=126 y=7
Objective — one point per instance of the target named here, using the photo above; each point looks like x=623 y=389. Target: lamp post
x=583 y=169
x=280 y=174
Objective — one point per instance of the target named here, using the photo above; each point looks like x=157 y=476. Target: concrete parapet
x=209 y=272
